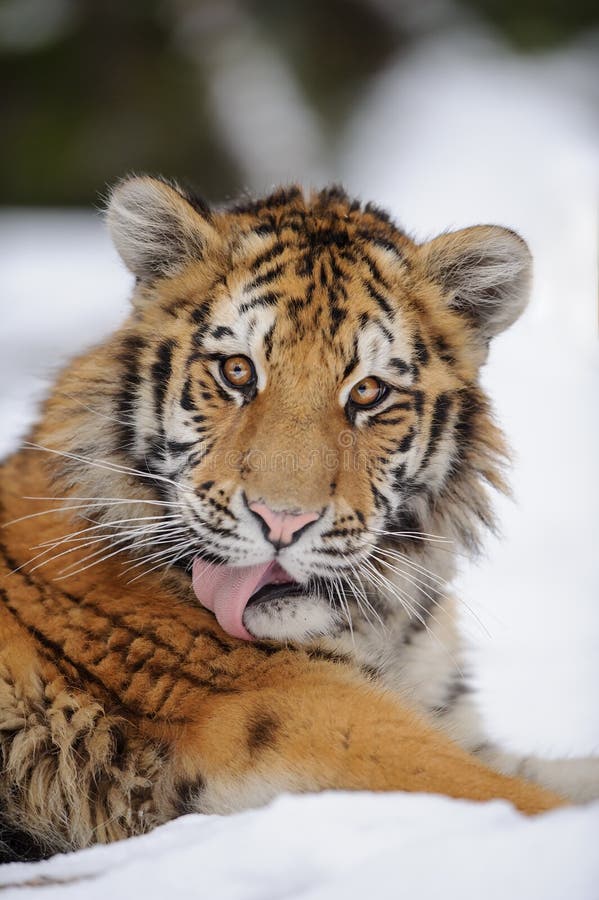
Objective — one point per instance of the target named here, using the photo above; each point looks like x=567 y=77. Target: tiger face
x=301 y=378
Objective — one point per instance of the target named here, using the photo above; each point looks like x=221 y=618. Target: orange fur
x=123 y=703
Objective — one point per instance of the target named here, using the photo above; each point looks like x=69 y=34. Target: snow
x=63 y=288
x=456 y=134
x=337 y=846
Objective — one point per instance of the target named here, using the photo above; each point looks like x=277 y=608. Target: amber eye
x=368 y=392
x=238 y=371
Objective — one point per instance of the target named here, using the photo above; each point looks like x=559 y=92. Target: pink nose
x=282 y=526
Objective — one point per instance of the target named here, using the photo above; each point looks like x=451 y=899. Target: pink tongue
x=226 y=590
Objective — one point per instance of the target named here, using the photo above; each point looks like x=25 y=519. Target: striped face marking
x=305 y=363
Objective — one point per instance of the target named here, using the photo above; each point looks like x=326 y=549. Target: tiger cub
x=225 y=540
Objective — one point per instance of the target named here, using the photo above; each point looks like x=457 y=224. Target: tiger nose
x=282 y=528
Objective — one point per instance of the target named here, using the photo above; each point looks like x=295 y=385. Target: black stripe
x=269 y=299
x=58 y=655
x=378 y=298
x=378 y=213
x=222 y=393
x=399 y=365
x=268 y=340
x=457 y=688
x=374 y=270
x=268 y=255
x=421 y=353
x=336 y=271
x=386 y=244
x=399 y=476
x=418 y=402
x=381 y=420
x=265 y=278
x=180 y=446
x=186 y=398
x=380 y=500
x=338 y=316
x=407 y=441
x=470 y=407
x=262 y=730
x=129 y=357
x=222 y=331
x=401 y=404
x=439 y=419
x=334 y=193
x=353 y=362
x=199 y=315
x=161 y=372
x=189 y=794
x=295 y=305
x=386 y=332
x=444 y=350
x=406 y=521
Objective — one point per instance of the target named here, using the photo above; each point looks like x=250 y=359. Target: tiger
x=229 y=540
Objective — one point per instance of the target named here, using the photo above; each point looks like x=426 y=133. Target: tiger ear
x=485 y=274
x=155 y=227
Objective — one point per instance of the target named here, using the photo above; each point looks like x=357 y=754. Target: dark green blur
x=92 y=89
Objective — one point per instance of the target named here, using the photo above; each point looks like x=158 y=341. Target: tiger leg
x=576 y=778
x=328 y=728
x=74 y=772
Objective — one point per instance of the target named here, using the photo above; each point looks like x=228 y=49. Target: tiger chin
x=228 y=539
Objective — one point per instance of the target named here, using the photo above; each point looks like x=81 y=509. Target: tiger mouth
x=227 y=590
x=276 y=590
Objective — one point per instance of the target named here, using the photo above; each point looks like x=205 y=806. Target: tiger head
x=298 y=385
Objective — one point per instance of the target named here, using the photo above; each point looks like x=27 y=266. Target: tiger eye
x=368 y=392
x=238 y=371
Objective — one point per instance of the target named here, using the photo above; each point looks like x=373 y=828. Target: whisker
x=421 y=571
x=401 y=558
x=362 y=597
x=82 y=543
x=417 y=582
x=344 y=606
x=399 y=594
x=410 y=577
x=67 y=574
x=181 y=555
x=160 y=564
x=197 y=544
x=97 y=525
x=420 y=535
x=115 y=500
x=149 y=571
x=48 y=549
x=97 y=412
x=106 y=464
x=96 y=505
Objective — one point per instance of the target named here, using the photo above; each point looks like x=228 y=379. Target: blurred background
x=446 y=112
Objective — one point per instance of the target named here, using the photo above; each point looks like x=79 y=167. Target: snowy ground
x=338 y=847
x=449 y=137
